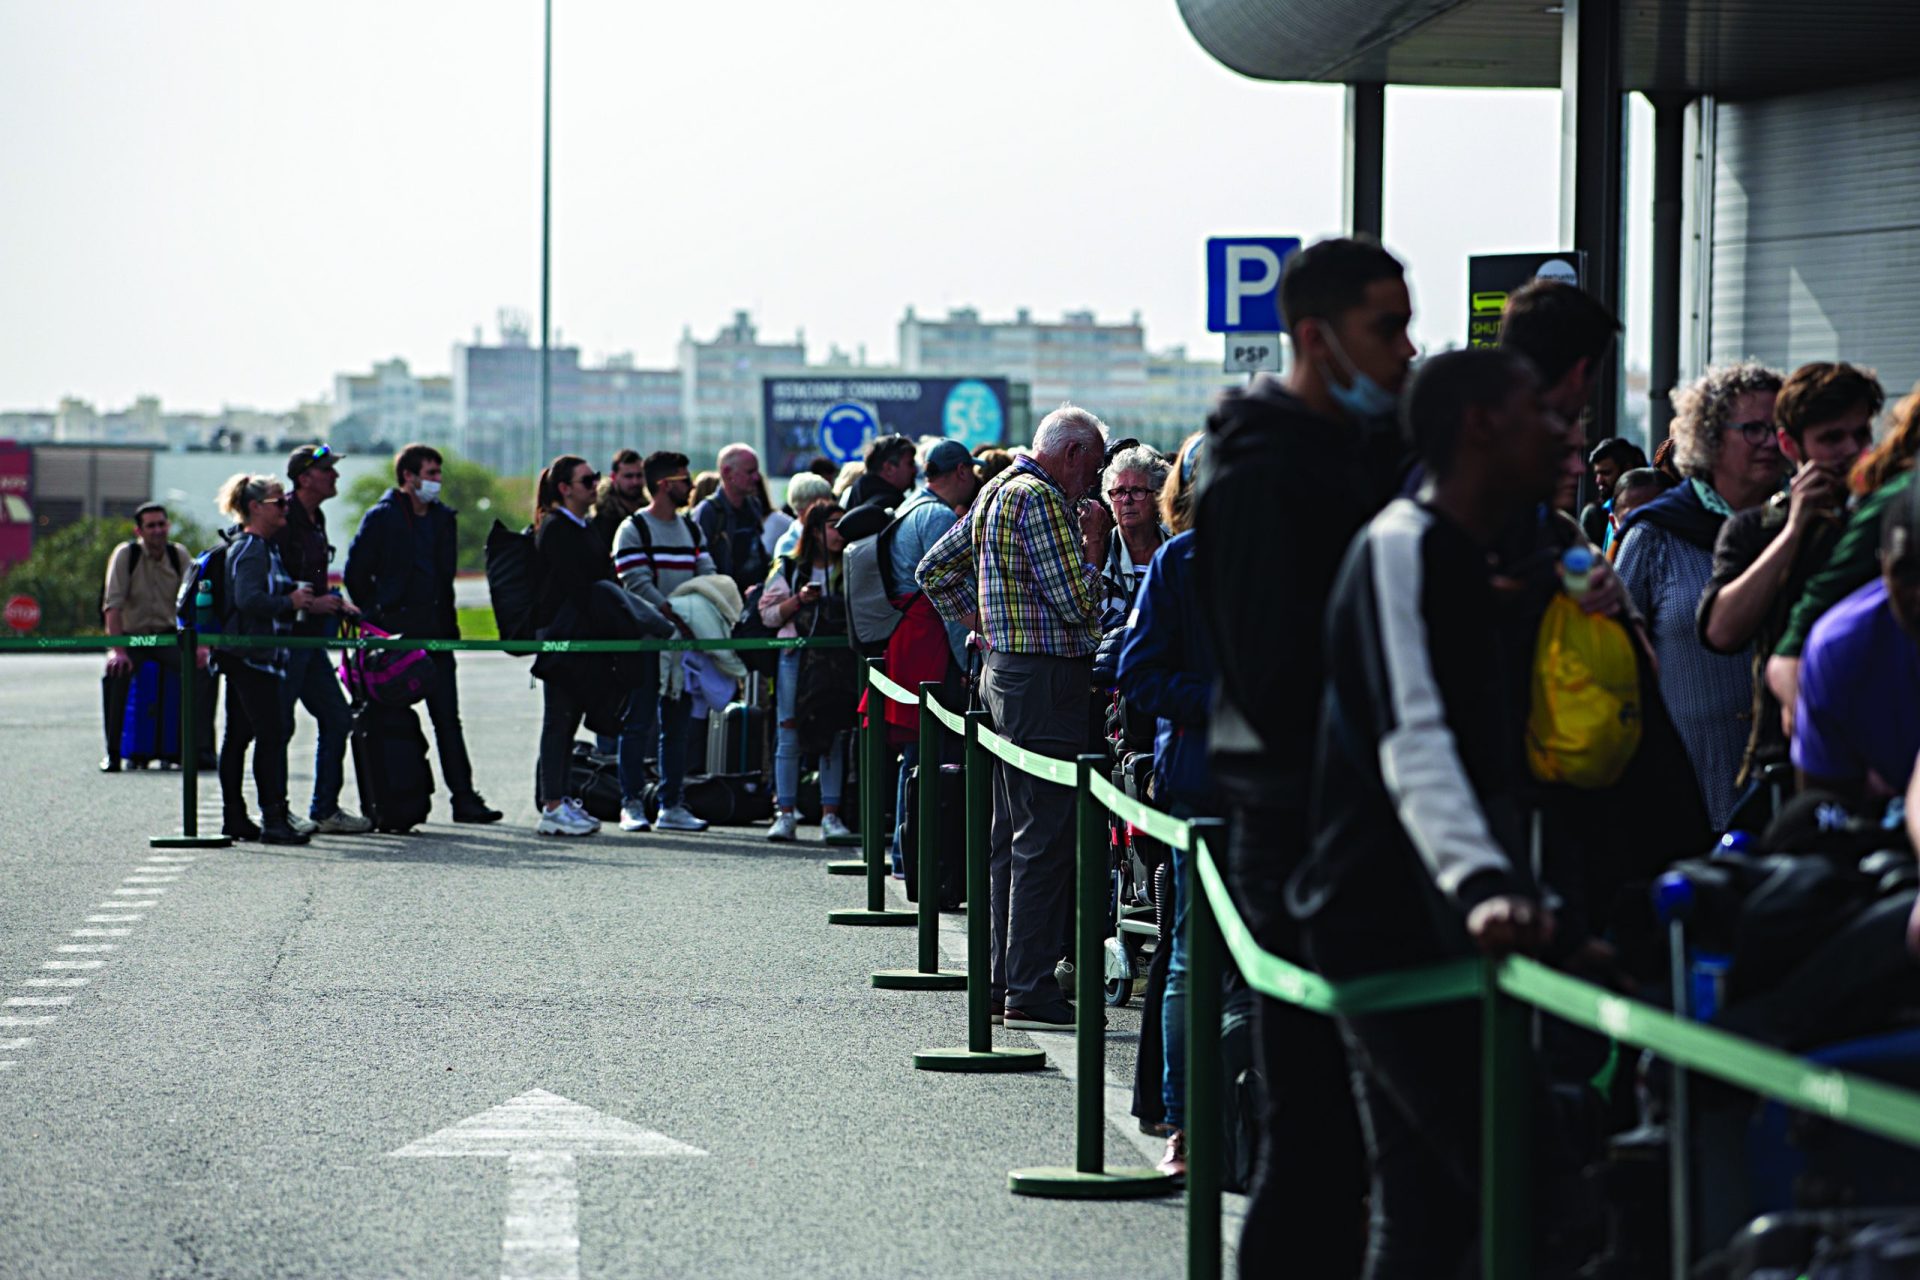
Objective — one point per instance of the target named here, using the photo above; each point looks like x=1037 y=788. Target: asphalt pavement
x=208 y=1063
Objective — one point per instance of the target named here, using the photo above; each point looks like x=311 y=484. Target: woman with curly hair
x=1726 y=449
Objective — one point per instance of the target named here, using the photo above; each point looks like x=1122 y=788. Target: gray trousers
x=1039 y=703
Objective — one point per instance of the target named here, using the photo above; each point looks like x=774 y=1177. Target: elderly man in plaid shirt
x=1023 y=570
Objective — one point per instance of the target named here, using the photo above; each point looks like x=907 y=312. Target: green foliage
x=469 y=488
x=476 y=623
x=68 y=571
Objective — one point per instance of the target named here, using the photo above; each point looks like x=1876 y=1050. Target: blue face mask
x=1362 y=398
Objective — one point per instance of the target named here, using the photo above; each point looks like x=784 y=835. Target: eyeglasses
x=1133 y=493
x=1756 y=432
x=591 y=478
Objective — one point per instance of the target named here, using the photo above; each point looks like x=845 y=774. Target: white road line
x=55 y=982
x=122 y=906
x=148 y=879
x=18 y=1042
x=83 y=948
x=73 y=964
x=138 y=893
x=542 y=1236
x=172 y=857
x=112 y=919
x=98 y=933
x=35 y=1002
x=26 y=1020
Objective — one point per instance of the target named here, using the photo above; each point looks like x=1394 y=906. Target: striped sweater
x=677 y=554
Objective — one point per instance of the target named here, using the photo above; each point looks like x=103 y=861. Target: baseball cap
x=310 y=455
x=948 y=455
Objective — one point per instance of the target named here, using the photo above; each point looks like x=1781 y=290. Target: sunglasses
x=280 y=502
x=682 y=478
x=592 y=477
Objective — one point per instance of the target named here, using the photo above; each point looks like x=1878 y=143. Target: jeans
x=256 y=715
x=909 y=757
x=786 y=744
x=1173 y=1001
x=657 y=724
x=311 y=683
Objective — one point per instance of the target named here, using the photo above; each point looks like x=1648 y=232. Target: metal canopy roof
x=1727 y=47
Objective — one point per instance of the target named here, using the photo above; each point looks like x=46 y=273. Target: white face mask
x=429 y=490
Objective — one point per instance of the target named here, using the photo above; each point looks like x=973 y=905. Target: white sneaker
x=678 y=819
x=633 y=817
x=831 y=828
x=343 y=823
x=580 y=811
x=563 y=820
x=785 y=827
x=305 y=826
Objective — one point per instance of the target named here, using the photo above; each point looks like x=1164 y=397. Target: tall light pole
x=546 y=215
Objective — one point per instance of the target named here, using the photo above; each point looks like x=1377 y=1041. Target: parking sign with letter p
x=1243 y=283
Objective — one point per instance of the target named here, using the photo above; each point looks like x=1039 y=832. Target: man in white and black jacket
x=1418 y=850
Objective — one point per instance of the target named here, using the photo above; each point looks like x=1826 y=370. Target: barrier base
x=917 y=980
x=993 y=1060
x=189 y=842
x=1058 y=1182
x=876 y=919
x=847 y=867
x=848 y=840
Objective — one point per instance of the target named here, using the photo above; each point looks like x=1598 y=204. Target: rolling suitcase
x=953 y=836
x=737 y=736
x=150 y=730
x=390 y=767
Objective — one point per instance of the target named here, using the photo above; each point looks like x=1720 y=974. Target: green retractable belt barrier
x=873 y=768
x=189 y=837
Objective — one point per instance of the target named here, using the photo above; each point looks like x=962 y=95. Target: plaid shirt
x=1017 y=558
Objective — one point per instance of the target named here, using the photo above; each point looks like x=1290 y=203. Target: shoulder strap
x=693 y=531
x=131 y=547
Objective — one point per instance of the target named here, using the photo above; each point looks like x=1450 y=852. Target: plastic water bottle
x=1576 y=568
x=203 y=606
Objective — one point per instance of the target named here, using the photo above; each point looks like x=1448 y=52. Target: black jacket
x=571 y=559
x=1283 y=491
x=870 y=488
x=380 y=573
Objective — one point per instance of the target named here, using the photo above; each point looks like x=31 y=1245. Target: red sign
x=23 y=613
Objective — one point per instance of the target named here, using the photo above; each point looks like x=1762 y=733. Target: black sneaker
x=280 y=831
x=471 y=808
x=241 y=828
x=110 y=765
x=1018 y=1019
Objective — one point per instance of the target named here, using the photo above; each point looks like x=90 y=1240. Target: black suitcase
x=595 y=781
x=722 y=799
x=150 y=730
x=953 y=836
x=390 y=767
x=737 y=740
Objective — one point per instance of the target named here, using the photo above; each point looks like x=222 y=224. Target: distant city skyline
x=232 y=209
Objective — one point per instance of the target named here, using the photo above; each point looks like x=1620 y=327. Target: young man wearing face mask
x=1298 y=465
x=400 y=572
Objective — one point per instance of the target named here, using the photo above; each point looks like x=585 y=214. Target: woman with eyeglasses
x=816 y=690
x=1132 y=488
x=262 y=601
x=572 y=558
x=1728 y=452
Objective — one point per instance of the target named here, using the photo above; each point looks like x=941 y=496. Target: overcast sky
x=225 y=203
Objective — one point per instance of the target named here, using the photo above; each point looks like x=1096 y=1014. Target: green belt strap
x=1046 y=768
x=1167 y=830
x=946 y=717
x=52 y=644
x=891 y=690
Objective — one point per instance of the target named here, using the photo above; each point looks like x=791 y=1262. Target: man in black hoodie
x=1293 y=470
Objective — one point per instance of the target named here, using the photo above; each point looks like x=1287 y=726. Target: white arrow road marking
x=540 y=1134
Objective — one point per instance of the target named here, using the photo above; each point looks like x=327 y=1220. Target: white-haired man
x=730 y=520
x=1022 y=570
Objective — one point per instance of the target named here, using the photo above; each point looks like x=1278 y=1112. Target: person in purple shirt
x=1856 y=728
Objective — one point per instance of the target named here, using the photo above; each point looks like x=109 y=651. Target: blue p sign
x=1243 y=283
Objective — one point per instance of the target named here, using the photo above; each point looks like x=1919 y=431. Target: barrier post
x=189 y=837
x=979 y=1054
x=929 y=976
x=1090 y=1178
x=873 y=768
x=1204 y=950
x=1506 y=1106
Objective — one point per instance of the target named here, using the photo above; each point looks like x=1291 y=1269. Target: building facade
x=1100 y=366
x=720 y=385
x=388 y=408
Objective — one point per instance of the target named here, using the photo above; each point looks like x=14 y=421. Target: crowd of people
x=1323 y=611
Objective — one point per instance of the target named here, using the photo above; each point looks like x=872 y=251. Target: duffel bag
x=384 y=677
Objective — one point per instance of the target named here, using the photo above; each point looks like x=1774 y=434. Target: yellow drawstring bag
x=1584 y=725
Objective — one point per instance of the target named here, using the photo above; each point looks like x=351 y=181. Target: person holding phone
x=804 y=597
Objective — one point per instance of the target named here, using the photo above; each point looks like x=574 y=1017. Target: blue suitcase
x=151 y=728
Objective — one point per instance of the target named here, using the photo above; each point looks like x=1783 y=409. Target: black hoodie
x=1283 y=492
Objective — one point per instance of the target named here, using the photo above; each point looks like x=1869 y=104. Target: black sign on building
x=1493 y=278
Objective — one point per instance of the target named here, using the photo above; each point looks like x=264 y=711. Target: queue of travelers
x=1325 y=610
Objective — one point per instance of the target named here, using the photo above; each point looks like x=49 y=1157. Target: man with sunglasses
x=1765 y=555
x=400 y=572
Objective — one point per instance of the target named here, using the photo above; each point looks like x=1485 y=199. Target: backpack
x=1584 y=724
x=750 y=626
x=390 y=677
x=867 y=563
x=210 y=567
x=514 y=594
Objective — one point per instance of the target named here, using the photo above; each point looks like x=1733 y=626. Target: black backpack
x=210 y=567
x=511 y=560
